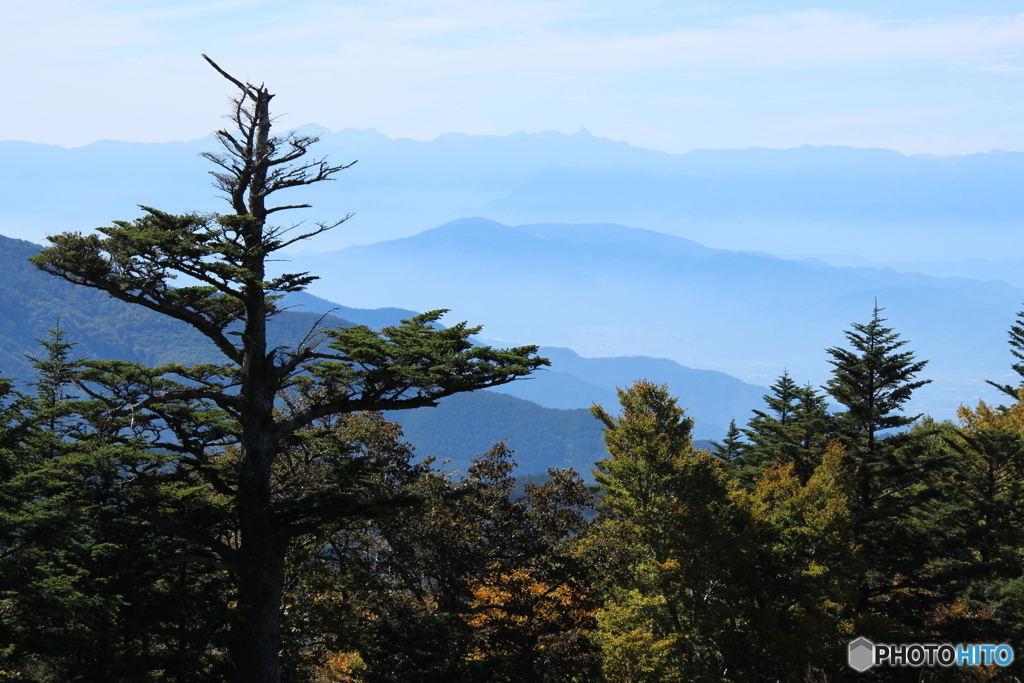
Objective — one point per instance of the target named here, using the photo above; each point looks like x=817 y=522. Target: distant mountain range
x=573 y=382
x=874 y=203
x=608 y=290
x=32 y=302
x=542 y=431
x=697 y=292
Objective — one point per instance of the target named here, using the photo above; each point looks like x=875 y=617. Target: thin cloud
x=426 y=67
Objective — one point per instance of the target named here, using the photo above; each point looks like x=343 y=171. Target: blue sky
x=938 y=77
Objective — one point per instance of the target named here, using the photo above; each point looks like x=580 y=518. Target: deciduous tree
x=708 y=577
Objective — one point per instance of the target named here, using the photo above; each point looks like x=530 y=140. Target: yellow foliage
x=339 y=667
x=518 y=598
x=987 y=417
x=635 y=645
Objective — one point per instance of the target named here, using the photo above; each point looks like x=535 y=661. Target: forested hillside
x=470 y=424
x=101 y=327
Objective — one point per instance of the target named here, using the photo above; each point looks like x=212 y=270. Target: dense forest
x=257 y=519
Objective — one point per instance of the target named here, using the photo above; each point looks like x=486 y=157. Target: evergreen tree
x=223 y=427
x=92 y=593
x=55 y=374
x=795 y=429
x=1017 y=349
x=872 y=380
x=732 y=445
x=980 y=514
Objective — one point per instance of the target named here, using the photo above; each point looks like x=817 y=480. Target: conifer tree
x=1017 y=349
x=226 y=425
x=92 y=593
x=732 y=445
x=980 y=514
x=873 y=380
x=795 y=428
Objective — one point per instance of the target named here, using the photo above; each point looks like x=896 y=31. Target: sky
x=935 y=76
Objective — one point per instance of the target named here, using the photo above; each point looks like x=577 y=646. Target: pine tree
x=216 y=431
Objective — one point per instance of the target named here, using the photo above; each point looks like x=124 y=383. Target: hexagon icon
x=862 y=654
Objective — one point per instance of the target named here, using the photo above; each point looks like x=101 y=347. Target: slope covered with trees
x=32 y=302
x=612 y=290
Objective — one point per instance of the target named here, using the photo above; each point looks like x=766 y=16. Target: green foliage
x=477 y=586
x=794 y=430
x=731 y=446
x=1017 y=350
x=872 y=381
x=978 y=510
x=201 y=442
x=173 y=521
x=899 y=585
x=708 y=580
x=91 y=592
x=802 y=544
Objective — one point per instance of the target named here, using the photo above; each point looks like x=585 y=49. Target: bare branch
x=241 y=86
x=321 y=228
x=289 y=206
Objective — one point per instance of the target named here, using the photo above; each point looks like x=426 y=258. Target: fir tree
x=92 y=593
x=732 y=445
x=872 y=380
x=1017 y=349
x=795 y=429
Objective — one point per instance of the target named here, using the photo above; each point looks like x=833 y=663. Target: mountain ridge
x=401 y=186
x=747 y=314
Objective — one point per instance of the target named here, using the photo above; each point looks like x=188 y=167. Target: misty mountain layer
x=875 y=203
x=609 y=290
